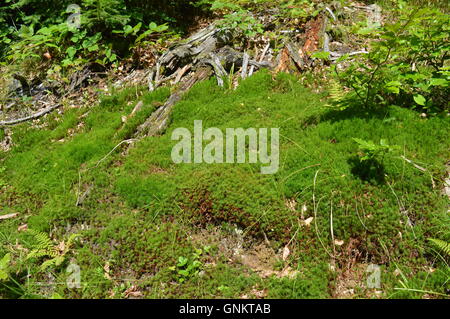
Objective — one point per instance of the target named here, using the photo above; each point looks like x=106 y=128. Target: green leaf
x=127 y=29
x=93 y=48
x=59 y=260
x=3 y=275
x=182 y=261
x=71 y=51
x=322 y=55
x=393 y=86
x=4 y=263
x=419 y=99
x=184 y=273
x=162 y=28
x=438 y=82
x=45 y=31
x=136 y=28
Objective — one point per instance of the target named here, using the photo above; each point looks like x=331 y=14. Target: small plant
x=141 y=33
x=300 y=9
x=236 y=18
x=4 y=267
x=337 y=96
x=371 y=151
x=407 y=64
x=229 y=79
x=441 y=245
x=370 y=165
x=187 y=268
x=243 y=22
x=44 y=247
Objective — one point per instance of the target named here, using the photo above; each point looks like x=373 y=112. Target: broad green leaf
x=71 y=51
x=393 y=87
x=182 y=261
x=93 y=48
x=4 y=262
x=127 y=29
x=419 y=99
x=438 y=82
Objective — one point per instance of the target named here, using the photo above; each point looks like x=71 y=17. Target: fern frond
x=43 y=247
x=337 y=95
x=441 y=245
x=71 y=239
x=52 y=262
x=38 y=253
x=43 y=242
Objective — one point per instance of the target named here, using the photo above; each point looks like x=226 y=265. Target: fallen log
x=157 y=122
x=30 y=117
x=206 y=52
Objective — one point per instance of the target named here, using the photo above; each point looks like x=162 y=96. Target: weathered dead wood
x=7 y=216
x=335 y=55
x=30 y=117
x=331 y=13
x=181 y=72
x=244 y=65
x=293 y=51
x=151 y=85
x=232 y=58
x=78 y=78
x=283 y=61
x=314 y=34
x=207 y=46
x=198 y=45
x=261 y=59
x=326 y=42
x=220 y=72
x=158 y=121
x=172 y=64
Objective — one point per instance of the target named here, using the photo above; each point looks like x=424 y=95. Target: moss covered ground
x=154 y=229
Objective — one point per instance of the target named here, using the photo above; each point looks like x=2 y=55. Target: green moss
x=142 y=208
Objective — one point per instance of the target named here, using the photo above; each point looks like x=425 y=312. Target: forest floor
x=89 y=209
x=152 y=228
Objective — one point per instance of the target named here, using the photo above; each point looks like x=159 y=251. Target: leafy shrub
x=30 y=29
x=408 y=66
x=237 y=18
x=373 y=151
